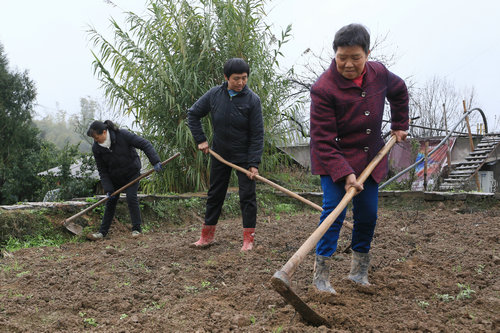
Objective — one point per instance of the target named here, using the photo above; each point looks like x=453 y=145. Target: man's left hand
x=400 y=135
x=253 y=172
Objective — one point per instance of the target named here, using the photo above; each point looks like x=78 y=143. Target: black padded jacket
x=237 y=124
x=118 y=164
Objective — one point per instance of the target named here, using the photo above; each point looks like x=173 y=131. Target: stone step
x=460 y=172
x=481 y=152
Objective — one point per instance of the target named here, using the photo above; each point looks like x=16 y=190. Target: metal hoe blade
x=281 y=284
x=73 y=227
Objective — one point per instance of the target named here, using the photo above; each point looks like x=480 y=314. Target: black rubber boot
x=359 y=268
x=321 y=279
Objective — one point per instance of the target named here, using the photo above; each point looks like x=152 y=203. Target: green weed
x=87 y=321
x=90 y=321
x=54 y=240
x=14 y=267
x=154 y=306
x=285 y=208
x=423 y=304
x=22 y=273
x=211 y=262
x=465 y=291
x=279 y=329
x=191 y=289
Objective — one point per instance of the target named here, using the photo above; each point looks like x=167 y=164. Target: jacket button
x=368 y=131
x=366 y=149
x=363 y=94
x=367 y=113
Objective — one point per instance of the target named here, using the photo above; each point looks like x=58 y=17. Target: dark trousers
x=133 y=207
x=219 y=181
x=365 y=206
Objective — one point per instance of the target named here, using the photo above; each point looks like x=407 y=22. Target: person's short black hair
x=236 y=65
x=352 y=35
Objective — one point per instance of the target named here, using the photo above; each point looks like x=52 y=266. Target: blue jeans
x=365 y=206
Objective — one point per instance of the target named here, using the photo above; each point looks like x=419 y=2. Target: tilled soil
x=433 y=270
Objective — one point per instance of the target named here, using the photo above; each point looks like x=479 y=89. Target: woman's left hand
x=400 y=135
x=158 y=167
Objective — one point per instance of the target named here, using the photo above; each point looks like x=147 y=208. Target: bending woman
x=118 y=164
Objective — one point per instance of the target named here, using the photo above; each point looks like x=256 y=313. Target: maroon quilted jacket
x=346 y=120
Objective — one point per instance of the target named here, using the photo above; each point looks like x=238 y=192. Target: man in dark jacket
x=118 y=164
x=238 y=137
x=347 y=105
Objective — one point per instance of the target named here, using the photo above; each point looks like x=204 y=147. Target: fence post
x=471 y=143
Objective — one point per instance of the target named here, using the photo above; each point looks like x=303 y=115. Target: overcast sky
x=454 y=39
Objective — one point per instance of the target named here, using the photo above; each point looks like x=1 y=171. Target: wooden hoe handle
x=262 y=179
x=308 y=245
x=119 y=190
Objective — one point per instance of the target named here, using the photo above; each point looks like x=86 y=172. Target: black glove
x=158 y=167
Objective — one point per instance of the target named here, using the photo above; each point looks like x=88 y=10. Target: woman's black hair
x=97 y=127
x=236 y=66
x=352 y=35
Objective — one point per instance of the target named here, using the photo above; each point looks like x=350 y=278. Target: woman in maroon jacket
x=347 y=105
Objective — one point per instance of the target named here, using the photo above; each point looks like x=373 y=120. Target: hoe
x=77 y=229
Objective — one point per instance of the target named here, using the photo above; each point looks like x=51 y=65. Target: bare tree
x=435 y=98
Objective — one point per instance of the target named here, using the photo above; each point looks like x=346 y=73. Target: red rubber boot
x=248 y=237
x=207 y=237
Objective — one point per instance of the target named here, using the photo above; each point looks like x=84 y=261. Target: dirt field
x=434 y=269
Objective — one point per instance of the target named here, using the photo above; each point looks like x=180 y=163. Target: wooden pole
x=448 y=150
x=426 y=157
x=471 y=143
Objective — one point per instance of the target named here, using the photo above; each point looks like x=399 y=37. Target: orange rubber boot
x=207 y=236
x=248 y=237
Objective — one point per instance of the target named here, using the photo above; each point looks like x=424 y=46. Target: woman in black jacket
x=118 y=164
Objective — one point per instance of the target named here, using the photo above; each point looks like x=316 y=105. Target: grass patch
x=52 y=240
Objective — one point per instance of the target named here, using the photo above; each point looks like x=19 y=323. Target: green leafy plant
x=191 y=289
x=87 y=321
x=90 y=321
x=171 y=56
x=154 y=306
x=284 y=208
x=465 y=291
x=54 y=240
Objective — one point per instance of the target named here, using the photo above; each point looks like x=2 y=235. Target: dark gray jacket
x=118 y=164
x=237 y=124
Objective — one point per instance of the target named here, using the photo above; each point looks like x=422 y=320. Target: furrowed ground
x=435 y=268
